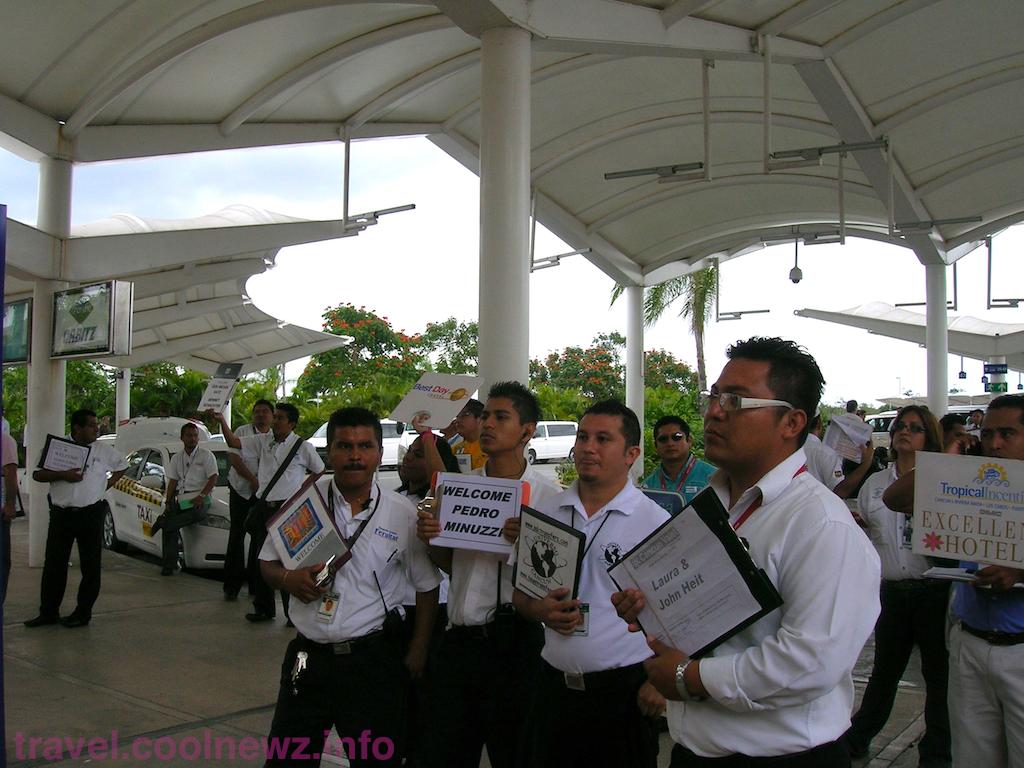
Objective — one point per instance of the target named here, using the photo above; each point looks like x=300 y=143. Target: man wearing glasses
x=680 y=471
x=782 y=688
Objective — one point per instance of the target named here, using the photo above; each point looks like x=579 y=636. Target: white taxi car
x=137 y=499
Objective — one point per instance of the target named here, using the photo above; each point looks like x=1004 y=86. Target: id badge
x=583 y=628
x=328 y=607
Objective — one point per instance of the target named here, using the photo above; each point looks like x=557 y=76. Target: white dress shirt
x=387 y=548
x=192 y=471
x=824 y=464
x=890 y=531
x=242 y=486
x=93 y=485
x=266 y=454
x=784 y=684
x=611 y=532
x=473 y=593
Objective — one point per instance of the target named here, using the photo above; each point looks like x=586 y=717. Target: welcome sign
x=473 y=511
x=969 y=508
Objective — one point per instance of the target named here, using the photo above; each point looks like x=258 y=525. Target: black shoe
x=74 y=620
x=41 y=621
x=166 y=571
x=289 y=624
x=258 y=616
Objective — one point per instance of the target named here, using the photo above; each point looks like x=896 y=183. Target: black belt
x=992 y=637
x=593 y=681
x=912 y=584
x=476 y=632
x=346 y=647
x=812 y=757
x=77 y=509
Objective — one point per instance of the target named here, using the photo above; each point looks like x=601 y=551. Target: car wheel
x=531 y=456
x=110 y=540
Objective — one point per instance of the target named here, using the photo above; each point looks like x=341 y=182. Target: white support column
x=635 y=362
x=997 y=378
x=936 y=339
x=505 y=205
x=46 y=385
x=227 y=413
x=123 y=395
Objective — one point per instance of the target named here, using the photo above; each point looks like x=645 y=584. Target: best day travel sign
x=969 y=508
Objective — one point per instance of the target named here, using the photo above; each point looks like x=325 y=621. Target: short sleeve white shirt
x=784 y=684
x=387 y=548
x=102 y=459
x=611 y=532
x=824 y=464
x=266 y=454
x=192 y=472
x=473 y=593
x=240 y=484
x=890 y=532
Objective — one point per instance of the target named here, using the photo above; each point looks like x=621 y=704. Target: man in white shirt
x=346 y=667
x=826 y=466
x=240 y=497
x=268 y=453
x=77 y=509
x=8 y=496
x=586 y=708
x=488 y=654
x=782 y=688
x=191 y=475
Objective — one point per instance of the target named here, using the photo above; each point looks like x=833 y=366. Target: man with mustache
x=781 y=690
x=346 y=667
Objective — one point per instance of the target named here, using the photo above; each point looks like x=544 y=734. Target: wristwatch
x=684 y=692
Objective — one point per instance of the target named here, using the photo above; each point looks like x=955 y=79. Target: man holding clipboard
x=781 y=688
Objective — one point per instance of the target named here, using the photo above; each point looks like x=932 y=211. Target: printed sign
x=17 y=331
x=437 y=398
x=549 y=555
x=474 y=509
x=303 y=530
x=93 y=320
x=969 y=508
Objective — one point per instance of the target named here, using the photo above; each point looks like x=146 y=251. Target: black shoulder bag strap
x=281 y=469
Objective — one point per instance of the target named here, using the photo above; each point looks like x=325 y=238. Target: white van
x=394 y=435
x=552 y=440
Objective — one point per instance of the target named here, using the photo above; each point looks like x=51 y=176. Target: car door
x=148 y=506
x=122 y=497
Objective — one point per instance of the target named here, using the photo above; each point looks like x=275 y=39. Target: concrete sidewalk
x=168 y=657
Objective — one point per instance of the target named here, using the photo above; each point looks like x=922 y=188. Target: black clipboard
x=55 y=439
x=670 y=501
x=544 y=552
x=709 y=508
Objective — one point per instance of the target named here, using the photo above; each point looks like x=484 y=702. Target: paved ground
x=167 y=657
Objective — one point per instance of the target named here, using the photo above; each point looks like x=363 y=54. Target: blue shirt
x=987 y=609
x=686 y=484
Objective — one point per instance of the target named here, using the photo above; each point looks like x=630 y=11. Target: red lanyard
x=686 y=473
x=757 y=504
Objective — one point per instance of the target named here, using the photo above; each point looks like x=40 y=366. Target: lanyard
x=592 y=539
x=757 y=504
x=351 y=542
x=686 y=473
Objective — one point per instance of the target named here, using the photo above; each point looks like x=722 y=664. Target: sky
x=421 y=266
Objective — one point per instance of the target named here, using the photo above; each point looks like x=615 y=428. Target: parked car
x=552 y=440
x=137 y=499
x=395 y=437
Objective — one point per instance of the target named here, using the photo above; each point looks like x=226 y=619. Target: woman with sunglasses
x=913 y=607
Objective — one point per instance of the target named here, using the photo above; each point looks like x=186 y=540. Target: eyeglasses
x=730 y=402
x=675 y=437
x=915 y=429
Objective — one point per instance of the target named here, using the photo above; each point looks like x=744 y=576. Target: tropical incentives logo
x=991 y=474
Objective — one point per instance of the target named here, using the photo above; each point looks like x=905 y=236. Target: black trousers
x=913 y=613
x=601 y=727
x=68 y=525
x=170 y=531
x=361 y=694
x=5 y=553
x=831 y=755
x=235 y=573
x=262 y=595
x=480 y=690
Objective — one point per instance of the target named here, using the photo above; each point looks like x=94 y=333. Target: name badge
x=583 y=628
x=328 y=607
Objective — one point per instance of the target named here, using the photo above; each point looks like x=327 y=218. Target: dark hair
x=474 y=407
x=451 y=464
x=523 y=400
x=670 y=419
x=260 y=402
x=187 y=425
x=354 y=416
x=290 y=411
x=950 y=420
x=851 y=406
x=978 y=410
x=793 y=374
x=1007 y=401
x=932 y=434
x=815 y=422
x=80 y=418
x=612 y=407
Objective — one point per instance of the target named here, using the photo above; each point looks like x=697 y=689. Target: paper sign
x=969 y=508
x=438 y=398
x=474 y=509
x=549 y=555
x=304 y=532
x=845 y=435
x=218 y=393
x=60 y=454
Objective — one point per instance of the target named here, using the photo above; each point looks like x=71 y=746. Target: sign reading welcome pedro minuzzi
x=474 y=509
x=969 y=508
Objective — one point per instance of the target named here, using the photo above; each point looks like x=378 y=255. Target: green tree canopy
x=451 y=345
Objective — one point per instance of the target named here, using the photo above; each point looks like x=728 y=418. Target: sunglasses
x=675 y=437
x=915 y=429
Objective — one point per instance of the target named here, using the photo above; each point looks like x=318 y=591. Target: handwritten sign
x=61 y=454
x=474 y=509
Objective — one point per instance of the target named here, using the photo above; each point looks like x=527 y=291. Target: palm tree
x=698 y=291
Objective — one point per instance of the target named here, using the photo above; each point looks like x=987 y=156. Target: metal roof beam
x=151 y=353
x=836 y=98
x=263 y=361
x=159 y=283
x=31 y=253
x=792 y=16
x=992 y=160
x=27 y=133
x=153 y=318
x=874 y=23
x=680 y=9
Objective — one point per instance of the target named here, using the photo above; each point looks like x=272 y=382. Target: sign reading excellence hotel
x=969 y=508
